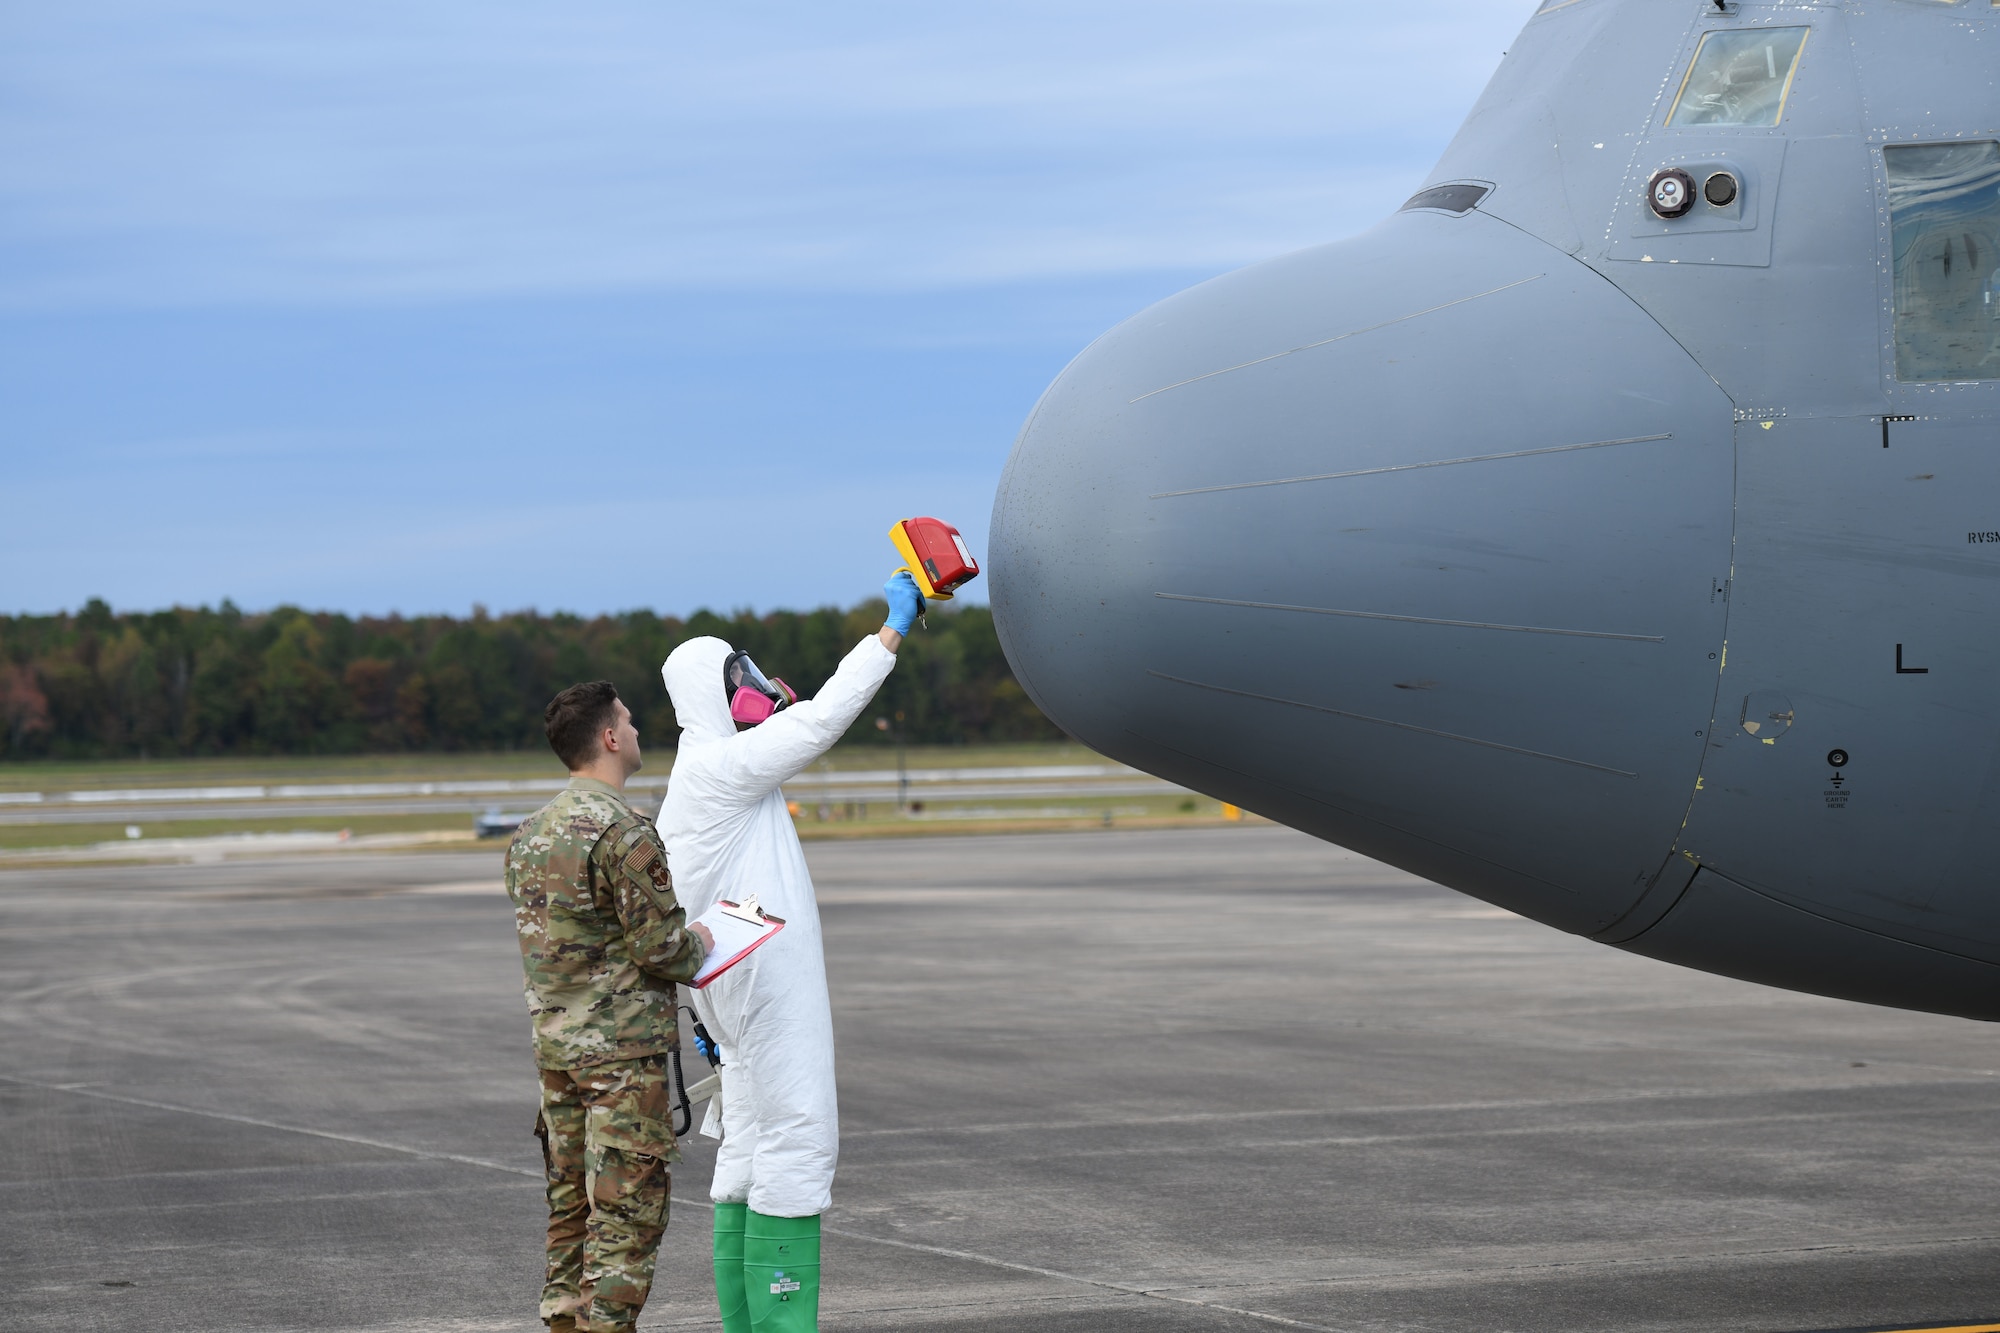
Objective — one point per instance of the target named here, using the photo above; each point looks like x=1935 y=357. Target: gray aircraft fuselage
x=1613 y=533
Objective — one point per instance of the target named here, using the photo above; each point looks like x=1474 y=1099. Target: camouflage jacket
x=603 y=939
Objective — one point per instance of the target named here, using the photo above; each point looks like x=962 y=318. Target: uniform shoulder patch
x=642 y=856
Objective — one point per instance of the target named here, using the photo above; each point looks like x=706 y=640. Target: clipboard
x=740 y=929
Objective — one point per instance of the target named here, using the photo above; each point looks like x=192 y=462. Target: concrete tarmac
x=1223 y=1079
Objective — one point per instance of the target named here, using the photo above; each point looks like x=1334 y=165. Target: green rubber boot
x=781 y=1273
x=729 y=1267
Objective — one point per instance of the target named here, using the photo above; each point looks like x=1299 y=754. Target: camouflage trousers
x=607 y=1137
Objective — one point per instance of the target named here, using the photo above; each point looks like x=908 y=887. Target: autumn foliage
x=220 y=681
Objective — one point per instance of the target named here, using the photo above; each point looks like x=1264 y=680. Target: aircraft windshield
x=1944 y=218
x=1739 y=77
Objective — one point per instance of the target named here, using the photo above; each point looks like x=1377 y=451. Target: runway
x=1117 y=1082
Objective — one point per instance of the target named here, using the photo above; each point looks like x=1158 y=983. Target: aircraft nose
x=1415 y=541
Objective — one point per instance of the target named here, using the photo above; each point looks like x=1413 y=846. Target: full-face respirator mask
x=753 y=696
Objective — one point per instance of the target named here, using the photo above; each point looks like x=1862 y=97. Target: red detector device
x=935 y=555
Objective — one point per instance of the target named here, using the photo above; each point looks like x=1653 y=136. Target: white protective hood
x=728 y=834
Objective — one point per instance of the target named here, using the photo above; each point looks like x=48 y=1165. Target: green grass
x=836 y=815
x=840 y=820
x=846 y=758
x=878 y=818
x=1030 y=815
x=843 y=819
x=68 y=775
x=15 y=837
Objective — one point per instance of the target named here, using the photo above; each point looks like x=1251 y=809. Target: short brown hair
x=574 y=718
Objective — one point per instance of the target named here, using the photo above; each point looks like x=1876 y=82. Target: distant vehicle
x=1612 y=533
x=493 y=824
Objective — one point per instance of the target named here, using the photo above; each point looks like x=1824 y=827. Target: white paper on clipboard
x=739 y=931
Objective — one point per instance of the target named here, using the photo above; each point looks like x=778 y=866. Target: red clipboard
x=740 y=929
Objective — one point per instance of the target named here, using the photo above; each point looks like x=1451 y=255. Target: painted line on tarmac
x=1152 y=1293
x=965 y=1256
x=1428 y=1108
x=1917 y=1328
x=427 y=1154
x=488 y=1164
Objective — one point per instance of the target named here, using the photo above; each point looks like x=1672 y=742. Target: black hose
x=686 y=1108
x=709 y=1052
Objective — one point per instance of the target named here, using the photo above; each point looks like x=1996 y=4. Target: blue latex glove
x=905 y=602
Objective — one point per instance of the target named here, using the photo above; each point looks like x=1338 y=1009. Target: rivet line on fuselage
x=1401 y=726
x=1413 y=620
x=1351 y=333
x=1411 y=467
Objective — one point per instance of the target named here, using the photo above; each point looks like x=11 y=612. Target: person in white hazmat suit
x=728 y=835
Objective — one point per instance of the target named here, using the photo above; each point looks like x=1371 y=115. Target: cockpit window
x=1944 y=224
x=1739 y=77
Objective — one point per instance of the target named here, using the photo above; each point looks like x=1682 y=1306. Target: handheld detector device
x=935 y=555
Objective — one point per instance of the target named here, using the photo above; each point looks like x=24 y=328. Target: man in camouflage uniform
x=603 y=941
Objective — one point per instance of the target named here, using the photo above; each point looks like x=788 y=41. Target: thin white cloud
x=241 y=152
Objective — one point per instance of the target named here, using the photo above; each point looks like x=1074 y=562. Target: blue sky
x=407 y=308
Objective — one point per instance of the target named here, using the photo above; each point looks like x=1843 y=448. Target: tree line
x=203 y=681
